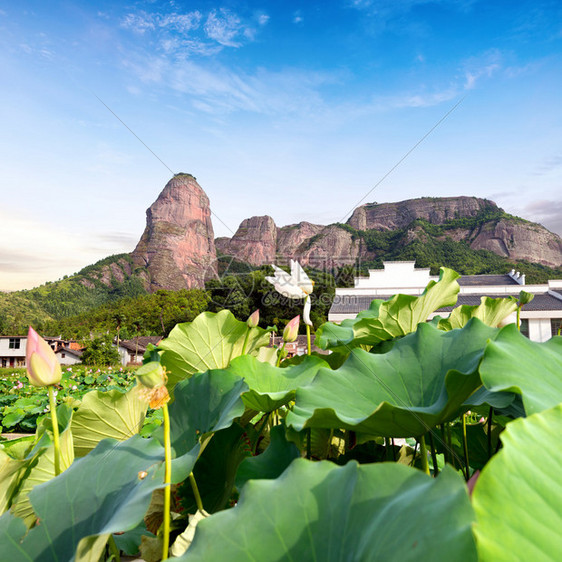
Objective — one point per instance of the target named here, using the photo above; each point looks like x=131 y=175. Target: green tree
x=100 y=351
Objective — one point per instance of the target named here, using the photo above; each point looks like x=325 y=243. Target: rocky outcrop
x=519 y=240
x=177 y=248
x=290 y=239
x=332 y=247
x=255 y=241
x=436 y=210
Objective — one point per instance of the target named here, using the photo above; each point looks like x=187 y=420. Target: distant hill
x=177 y=251
x=378 y=231
x=108 y=280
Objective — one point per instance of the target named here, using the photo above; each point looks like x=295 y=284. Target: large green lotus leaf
x=9 y=478
x=495 y=399
x=490 y=311
x=272 y=462
x=514 y=363
x=42 y=468
x=421 y=382
x=386 y=320
x=205 y=403
x=101 y=493
x=320 y=511
x=215 y=470
x=107 y=414
x=272 y=387
x=518 y=497
x=211 y=341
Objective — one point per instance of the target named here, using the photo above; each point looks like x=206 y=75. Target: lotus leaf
x=514 y=363
x=209 y=342
x=107 y=414
x=490 y=311
x=319 y=511
x=385 y=320
x=518 y=496
x=421 y=382
x=272 y=387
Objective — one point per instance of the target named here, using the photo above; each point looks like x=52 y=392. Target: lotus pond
x=411 y=440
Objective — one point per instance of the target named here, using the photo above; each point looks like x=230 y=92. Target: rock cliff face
x=258 y=241
x=177 y=248
x=436 y=210
x=255 y=241
x=519 y=241
x=291 y=238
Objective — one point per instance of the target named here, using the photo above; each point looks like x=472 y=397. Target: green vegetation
x=243 y=293
x=71 y=296
x=22 y=406
x=99 y=351
x=144 y=315
x=307 y=450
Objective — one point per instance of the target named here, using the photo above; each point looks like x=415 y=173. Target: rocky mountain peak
x=177 y=248
x=436 y=210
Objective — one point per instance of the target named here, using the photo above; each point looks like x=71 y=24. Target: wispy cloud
x=483 y=66
x=548 y=165
x=195 y=32
x=546 y=212
x=46 y=251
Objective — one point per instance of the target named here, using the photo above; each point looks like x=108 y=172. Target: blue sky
x=292 y=109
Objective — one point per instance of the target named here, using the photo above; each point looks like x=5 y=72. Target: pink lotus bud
x=254 y=319
x=472 y=482
x=291 y=330
x=43 y=369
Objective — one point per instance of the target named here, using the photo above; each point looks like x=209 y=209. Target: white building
x=13 y=350
x=540 y=319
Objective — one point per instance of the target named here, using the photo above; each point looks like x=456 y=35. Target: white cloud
x=194 y=33
x=297 y=17
x=223 y=27
x=46 y=251
x=139 y=23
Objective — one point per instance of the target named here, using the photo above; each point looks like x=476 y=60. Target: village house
x=13 y=350
x=132 y=351
x=540 y=319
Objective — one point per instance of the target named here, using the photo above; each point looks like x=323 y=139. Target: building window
x=14 y=343
x=555 y=325
x=63 y=355
x=525 y=327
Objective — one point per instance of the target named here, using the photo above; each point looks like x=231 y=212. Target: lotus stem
x=386 y=447
x=279 y=355
x=113 y=548
x=308 y=346
x=167 y=482
x=393 y=450
x=519 y=318
x=433 y=454
x=445 y=447
x=195 y=491
x=465 y=447
x=423 y=454
x=246 y=341
x=490 y=418
x=55 y=423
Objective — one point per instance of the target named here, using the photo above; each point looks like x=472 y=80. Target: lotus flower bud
x=254 y=319
x=151 y=375
x=525 y=298
x=43 y=369
x=291 y=330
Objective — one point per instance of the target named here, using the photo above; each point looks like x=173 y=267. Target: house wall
x=68 y=358
x=539 y=329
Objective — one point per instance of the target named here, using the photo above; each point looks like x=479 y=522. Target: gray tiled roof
x=475 y=280
x=352 y=304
